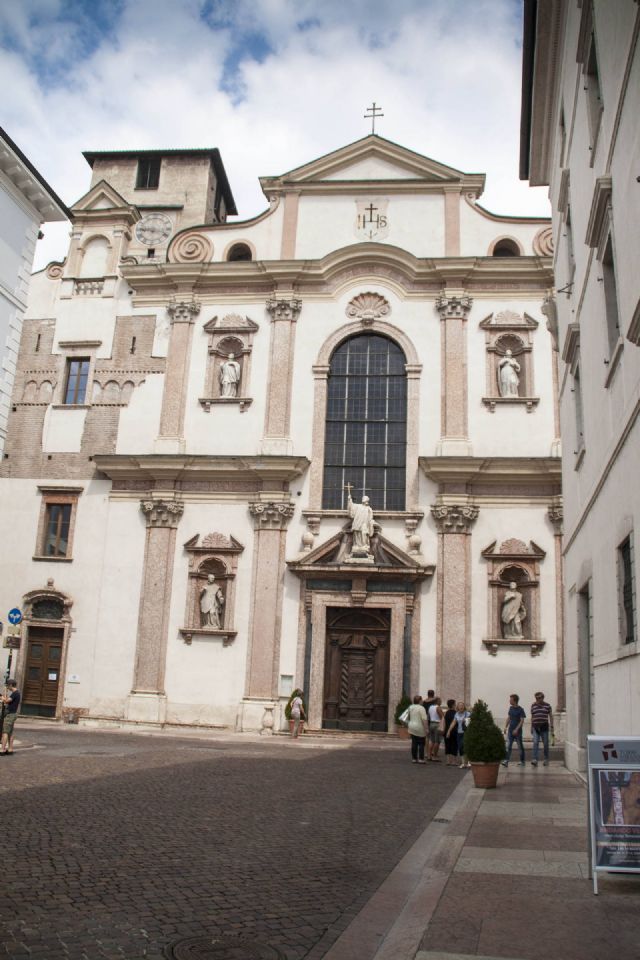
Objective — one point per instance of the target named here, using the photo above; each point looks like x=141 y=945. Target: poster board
x=614 y=804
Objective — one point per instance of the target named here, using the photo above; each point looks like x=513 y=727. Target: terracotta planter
x=402 y=731
x=485 y=774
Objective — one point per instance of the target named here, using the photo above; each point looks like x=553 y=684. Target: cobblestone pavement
x=126 y=843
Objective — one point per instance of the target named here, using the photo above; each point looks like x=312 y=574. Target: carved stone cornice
x=454 y=307
x=183 y=311
x=162 y=513
x=271 y=515
x=284 y=309
x=454 y=518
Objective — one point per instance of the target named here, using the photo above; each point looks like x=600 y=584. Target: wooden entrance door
x=356 y=679
x=42 y=672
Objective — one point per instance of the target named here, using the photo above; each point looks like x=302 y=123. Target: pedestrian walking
x=297 y=712
x=450 y=735
x=457 y=729
x=417 y=724
x=436 y=716
x=513 y=729
x=541 y=725
x=10 y=704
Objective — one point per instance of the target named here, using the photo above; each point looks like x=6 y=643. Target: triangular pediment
x=231 y=323
x=373 y=159
x=103 y=201
x=333 y=555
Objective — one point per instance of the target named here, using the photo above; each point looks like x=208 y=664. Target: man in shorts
x=10 y=704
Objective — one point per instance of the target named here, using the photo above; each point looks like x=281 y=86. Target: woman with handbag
x=418 y=727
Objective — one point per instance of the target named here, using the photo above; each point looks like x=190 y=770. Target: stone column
x=270 y=521
x=176 y=378
x=556 y=516
x=454 y=521
x=454 y=312
x=284 y=314
x=148 y=701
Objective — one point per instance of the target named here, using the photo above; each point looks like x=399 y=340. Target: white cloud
x=246 y=78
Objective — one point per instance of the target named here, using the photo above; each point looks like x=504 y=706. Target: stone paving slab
x=494 y=853
x=534 y=811
x=519 y=867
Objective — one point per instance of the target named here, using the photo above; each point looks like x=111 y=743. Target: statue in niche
x=508 y=375
x=513 y=613
x=362 y=525
x=229 y=377
x=211 y=604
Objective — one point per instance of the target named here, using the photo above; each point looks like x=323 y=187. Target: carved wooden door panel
x=42 y=673
x=356 y=694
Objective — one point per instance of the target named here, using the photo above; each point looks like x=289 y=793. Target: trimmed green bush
x=483 y=740
x=403 y=703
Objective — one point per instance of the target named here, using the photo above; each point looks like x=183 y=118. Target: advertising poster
x=614 y=799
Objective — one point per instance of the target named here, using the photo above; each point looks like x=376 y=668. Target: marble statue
x=362 y=524
x=211 y=604
x=229 y=377
x=513 y=613
x=508 y=379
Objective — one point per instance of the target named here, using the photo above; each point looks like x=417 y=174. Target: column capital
x=183 y=311
x=450 y=307
x=454 y=517
x=162 y=513
x=284 y=308
x=271 y=515
x=556 y=515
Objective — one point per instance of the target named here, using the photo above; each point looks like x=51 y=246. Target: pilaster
x=454 y=312
x=454 y=521
x=147 y=701
x=284 y=311
x=556 y=516
x=183 y=314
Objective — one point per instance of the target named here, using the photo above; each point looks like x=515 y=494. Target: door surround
x=34 y=604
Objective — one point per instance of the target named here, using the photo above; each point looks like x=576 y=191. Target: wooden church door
x=356 y=685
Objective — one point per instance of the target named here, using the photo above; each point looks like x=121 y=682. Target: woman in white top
x=459 y=724
x=418 y=725
x=436 y=715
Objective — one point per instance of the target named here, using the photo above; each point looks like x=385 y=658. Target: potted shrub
x=483 y=745
x=401 y=728
x=287 y=710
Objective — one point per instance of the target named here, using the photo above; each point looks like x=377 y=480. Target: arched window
x=240 y=251
x=366 y=424
x=506 y=248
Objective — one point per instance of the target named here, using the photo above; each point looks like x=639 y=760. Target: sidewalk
x=500 y=874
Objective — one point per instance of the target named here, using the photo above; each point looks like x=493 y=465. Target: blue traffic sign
x=15 y=616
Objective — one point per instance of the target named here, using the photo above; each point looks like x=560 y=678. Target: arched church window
x=506 y=248
x=366 y=424
x=240 y=251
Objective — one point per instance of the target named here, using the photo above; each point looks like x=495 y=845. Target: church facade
x=315 y=449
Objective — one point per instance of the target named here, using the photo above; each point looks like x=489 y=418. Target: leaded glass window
x=366 y=424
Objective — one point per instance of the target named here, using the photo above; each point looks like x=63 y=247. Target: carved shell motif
x=368 y=307
x=191 y=248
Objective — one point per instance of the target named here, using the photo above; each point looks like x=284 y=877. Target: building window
x=148 y=175
x=56 y=531
x=366 y=424
x=594 y=95
x=627 y=592
x=56 y=523
x=239 y=251
x=610 y=296
x=579 y=416
x=571 y=260
x=506 y=248
x=77 y=378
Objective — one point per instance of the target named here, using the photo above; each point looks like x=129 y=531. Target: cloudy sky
x=271 y=83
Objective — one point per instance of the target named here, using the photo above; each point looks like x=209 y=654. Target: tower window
x=148 y=176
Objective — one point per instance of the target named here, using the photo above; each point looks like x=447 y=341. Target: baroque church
x=316 y=449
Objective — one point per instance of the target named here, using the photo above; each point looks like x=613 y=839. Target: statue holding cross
x=363 y=525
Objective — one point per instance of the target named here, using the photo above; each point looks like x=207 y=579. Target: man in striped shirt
x=541 y=724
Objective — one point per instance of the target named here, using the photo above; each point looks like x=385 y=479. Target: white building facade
x=580 y=136
x=197 y=399
x=26 y=201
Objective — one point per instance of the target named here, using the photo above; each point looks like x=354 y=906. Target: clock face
x=153 y=229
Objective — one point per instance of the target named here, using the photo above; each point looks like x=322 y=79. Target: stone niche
x=233 y=334
x=509 y=331
x=215 y=555
x=514 y=563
